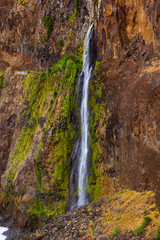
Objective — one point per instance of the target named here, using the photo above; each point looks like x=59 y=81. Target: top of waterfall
x=86 y=62
x=89 y=34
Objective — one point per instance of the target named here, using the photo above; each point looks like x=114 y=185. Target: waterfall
x=84 y=149
x=80 y=153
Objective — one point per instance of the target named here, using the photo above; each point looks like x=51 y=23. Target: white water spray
x=82 y=168
x=2 y=230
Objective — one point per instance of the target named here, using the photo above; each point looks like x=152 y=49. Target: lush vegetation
x=49 y=24
x=1 y=81
x=76 y=6
x=48 y=96
x=96 y=110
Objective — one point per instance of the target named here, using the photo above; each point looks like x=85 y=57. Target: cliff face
x=34 y=34
x=128 y=45
x=128 y=29
x=39 y=117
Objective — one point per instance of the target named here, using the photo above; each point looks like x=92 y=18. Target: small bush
x=59 y=44
x=95 y=232
x=115 y=232
x=157 y=236
x=43 y=76
x=1 y=79
x=71 y=19
x=55 y=93
x=49 y=24
x=76 y=6
x=51 y=101
x=146 y=221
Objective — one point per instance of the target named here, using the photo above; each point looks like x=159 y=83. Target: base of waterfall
x=2 y=231
x=7 y=230
x=9 y=233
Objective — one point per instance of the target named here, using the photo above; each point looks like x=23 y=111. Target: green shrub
x=55 y=93
x=49 y=24
x=157 y=236
x=51 y=101
x=43 y=76
x=115 y=232
x=146 y=221
x=71 y=19
x=76 y=2
x=67 y=105
x=96 y=107
x=1 y=79
x=59 y=44
x=95 y=232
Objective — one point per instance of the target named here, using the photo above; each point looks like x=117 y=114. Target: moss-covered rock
x=44 y=145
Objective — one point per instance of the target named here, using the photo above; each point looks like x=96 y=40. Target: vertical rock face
x=132 y=130
x=129 y=29
x=37 y=112
x=10 y=105
x=35 y=34
x=128 y=32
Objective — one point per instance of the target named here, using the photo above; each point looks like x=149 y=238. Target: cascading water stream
x=80 y=153
x=84 y=149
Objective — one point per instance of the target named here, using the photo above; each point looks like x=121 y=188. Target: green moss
x=118 y=218
x=1 y=79
x=71 y=19
x=95 y=232
x=96 y=67
x=43 y=76
x=80 y=49
x=22 y=148
x=48 y=95
x=96 y=109
x=49 y=24
x=40 y=211
x=38 y=170
x=55 y=93
x=1 y=82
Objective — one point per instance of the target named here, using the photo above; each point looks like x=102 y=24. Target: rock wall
x=127 y=29
x=35 y=34
x=128 y=46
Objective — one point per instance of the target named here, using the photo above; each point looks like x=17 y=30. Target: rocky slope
x=122 y=216
x=39 y=117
